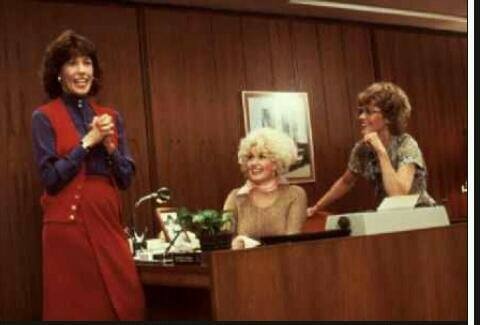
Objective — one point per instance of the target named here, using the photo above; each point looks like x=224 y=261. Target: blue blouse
x=57 y=171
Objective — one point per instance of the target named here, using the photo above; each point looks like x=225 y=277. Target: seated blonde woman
x=266 y=204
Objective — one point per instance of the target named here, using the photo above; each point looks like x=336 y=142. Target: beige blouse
x=285 y=216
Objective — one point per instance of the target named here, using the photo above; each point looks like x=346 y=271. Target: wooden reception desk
x=412 y=275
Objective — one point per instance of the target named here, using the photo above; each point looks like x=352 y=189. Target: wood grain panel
x=410 y=275
x=200 y=130
x=166 y=61
x=346 y=66
x=337 y=121
x=172 y=92
x=337 y=93
x=310 y=78
x=230 y=80
x=21 y=93
x=257 y=53
x=188 y=89
x=282 y=54
x=413 y=275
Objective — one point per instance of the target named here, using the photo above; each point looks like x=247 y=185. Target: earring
x=59 y=79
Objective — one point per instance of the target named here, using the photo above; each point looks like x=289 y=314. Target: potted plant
x=212 y=227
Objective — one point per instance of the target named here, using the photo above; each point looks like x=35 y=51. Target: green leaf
x=207 y=221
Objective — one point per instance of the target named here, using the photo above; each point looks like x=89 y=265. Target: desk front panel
x=413 y=275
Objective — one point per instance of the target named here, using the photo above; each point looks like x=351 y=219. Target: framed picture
x=288 y=112
x=168 y=224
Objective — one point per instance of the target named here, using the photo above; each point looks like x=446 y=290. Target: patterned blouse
x=402 y=150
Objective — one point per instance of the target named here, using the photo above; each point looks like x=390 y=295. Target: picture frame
x=167 y=221
x=288 y=112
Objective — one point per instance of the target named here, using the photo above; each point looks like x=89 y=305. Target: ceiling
x=448 y=15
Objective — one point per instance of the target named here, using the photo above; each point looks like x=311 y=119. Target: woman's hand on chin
x=373 y=140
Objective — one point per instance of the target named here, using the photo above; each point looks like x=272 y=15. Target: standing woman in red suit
x=82 y=156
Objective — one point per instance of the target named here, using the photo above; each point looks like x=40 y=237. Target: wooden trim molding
x=447 y=15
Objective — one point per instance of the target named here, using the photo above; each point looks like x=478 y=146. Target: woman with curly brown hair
x=386 y=156
x=83 y=159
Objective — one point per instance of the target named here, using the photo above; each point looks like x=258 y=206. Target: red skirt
x=88 y=270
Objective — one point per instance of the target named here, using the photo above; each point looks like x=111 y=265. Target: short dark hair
x=67 y=45
x=393 y=102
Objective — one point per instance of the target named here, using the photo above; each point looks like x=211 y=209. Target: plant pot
x=214 y=242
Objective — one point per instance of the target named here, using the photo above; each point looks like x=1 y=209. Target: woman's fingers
x=101 y=127
x=311 y=211
x=102 y=121
x=105 y=118
x=106 y=127
x=238 y=243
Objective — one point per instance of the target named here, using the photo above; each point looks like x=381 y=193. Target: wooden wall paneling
x=194 y=79
x=230 y=81
x=287 y=57
x=5 y=237
x=310 y=78
x=451 y=116
x=438 y=143
x=457 y=50
x=449 y=137
x=200 y=131
x=425 y=106
x=337 y=91
x=22 y=94
x=442 y=115
x=166 y=61
x=20 y=213
x=282 y=54
x=167 y=57
x=457 y=71
x=257 y=53
x=359 y=67
x=337 y=100
x=457 y=78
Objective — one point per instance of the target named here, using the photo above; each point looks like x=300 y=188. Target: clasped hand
x=101 y=129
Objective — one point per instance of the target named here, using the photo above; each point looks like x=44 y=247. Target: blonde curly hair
x=393 y=102
x=273 y=144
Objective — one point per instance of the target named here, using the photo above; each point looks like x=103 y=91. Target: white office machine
x=394 y=214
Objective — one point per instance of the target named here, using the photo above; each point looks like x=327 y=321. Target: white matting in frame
x=288 y=112
x=168 y=221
